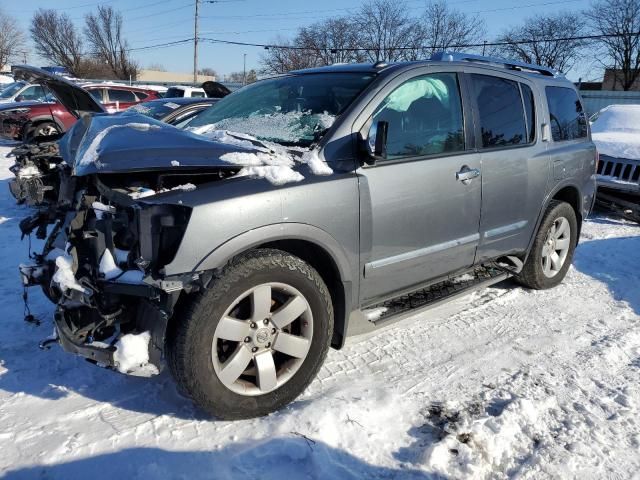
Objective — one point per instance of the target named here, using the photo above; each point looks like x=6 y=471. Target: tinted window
x=529 y=110
x=121 y=96
x=174 y=93
x=424 y=117
x=568 y=121
x=500 y=110
x=97 y=94
x=141 y=95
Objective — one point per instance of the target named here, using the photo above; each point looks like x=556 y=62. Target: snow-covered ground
x=508 y=383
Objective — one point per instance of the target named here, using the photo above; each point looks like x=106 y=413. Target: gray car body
x=388 y=228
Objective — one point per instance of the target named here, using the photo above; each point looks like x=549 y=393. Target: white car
x=616 y=132
x=21 y=92
x=180 y=91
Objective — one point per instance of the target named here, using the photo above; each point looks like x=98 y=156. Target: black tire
x=532 y=275
x=190 y=354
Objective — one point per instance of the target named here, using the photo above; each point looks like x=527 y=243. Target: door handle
x=466 y=174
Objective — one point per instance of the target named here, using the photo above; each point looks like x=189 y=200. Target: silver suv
x=306 y=208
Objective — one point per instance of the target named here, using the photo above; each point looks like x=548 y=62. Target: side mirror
x=376 y=142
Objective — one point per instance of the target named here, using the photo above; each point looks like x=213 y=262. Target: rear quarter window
x=567 y=118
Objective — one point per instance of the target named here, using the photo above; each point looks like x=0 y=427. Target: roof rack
x=508 y=64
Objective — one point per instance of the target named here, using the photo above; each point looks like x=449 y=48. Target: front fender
x=271 y=233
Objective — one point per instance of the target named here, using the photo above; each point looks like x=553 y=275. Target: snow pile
x=492 y=443
x=316 y=164
x=100 y=209
x=276 y=175
x=64 y=275
x=91 y=153
x=187 y=187
x=132 y=355
x=616 y=131
x=175 y=163
x=374 y=314
x=108 y=266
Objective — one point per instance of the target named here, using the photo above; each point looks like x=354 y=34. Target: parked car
x=21 y=92
x=48 y=117
x=180 y=91
x=117 y=98
x=174 y=111
x=5 y=80
x=616 y=133
x=306 y=208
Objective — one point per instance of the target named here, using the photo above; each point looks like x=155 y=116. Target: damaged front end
x=39 y=173
x=103 y=264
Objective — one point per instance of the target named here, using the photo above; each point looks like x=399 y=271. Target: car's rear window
x=116 y=95
x=501 y=111
x=567 y=117
x=174 y=93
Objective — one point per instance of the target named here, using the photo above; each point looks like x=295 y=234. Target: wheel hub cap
x=262 y=339
x=556 y=247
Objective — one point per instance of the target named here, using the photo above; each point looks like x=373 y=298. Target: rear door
x=515 y=161
x=419 y=220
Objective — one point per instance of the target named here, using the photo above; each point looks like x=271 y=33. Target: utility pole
x=195 y=45
x=244 y=71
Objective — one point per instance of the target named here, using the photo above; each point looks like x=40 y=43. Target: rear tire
x=553 y=247
x=254 y=340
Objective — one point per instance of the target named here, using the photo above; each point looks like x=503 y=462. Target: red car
x=24 y=120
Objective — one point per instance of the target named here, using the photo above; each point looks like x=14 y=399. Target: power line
x=418 y=47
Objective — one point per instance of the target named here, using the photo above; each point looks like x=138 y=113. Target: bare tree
x=104 y=34
x=387 y=32
x=539 y=40
x=334 y=40
x=12 y=41
x=210 y=72
x=446 y=29
x=57 y=40
x=281 y=60
x=619 y=23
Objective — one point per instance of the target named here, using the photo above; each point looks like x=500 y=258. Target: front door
x=420 y=207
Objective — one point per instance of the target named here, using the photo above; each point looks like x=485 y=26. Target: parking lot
x=505 y=383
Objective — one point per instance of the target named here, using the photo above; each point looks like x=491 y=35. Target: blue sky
x=149 y=22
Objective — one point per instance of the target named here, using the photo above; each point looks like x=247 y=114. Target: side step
x=425 y=298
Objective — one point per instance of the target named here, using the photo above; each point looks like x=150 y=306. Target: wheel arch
x=566 y=192
x=313 y=245
x=35 y=121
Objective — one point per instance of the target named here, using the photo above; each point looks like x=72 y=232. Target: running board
x=426 y=298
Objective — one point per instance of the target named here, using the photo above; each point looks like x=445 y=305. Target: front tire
x=553 y=247
x=255 y=339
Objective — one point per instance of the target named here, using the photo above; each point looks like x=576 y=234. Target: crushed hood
x=132 y=142
x=73 y=97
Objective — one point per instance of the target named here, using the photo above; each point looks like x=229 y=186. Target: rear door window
x=116 y=95
x=97 y=94
x=500 y=111
x=567 y=118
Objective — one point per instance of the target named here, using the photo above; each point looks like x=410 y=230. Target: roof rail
x=508 y=64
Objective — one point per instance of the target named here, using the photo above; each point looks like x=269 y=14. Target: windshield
x=11 y=89
x=157 y=110
x=291 y=110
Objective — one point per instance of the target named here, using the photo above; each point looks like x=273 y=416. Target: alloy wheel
x=262 y=339
x=556 y=247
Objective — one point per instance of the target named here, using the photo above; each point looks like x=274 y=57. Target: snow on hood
x=134 y=142
x=618 y=144
x=616 y=131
